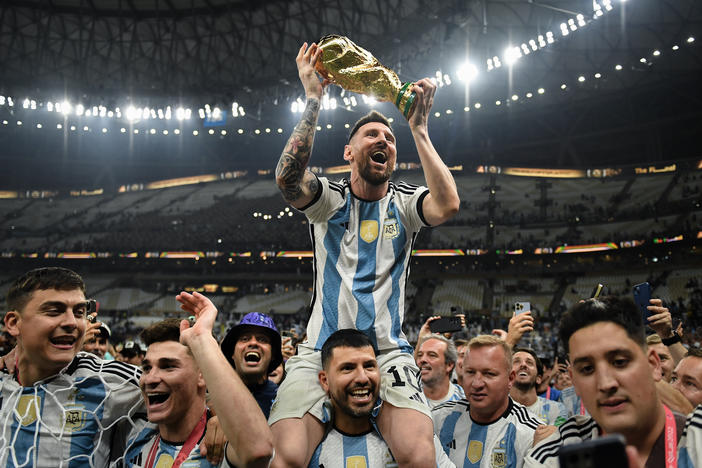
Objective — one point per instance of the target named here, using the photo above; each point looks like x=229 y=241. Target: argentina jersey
x=504 y=443
x=77 y=418
x=690 y=450
x=362 y=252
x=339 y=450
x=141 y=450
x=455 y=393
x=549 y=412
x=572 y=402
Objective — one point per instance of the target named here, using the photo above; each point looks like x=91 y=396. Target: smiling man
x=612 y=371
x=351 y=379
x=363 y=229
x=528 y=370
x=487 y=428
x=181 y=363
x=253 y=348
x=60 y=407
x=436 y=359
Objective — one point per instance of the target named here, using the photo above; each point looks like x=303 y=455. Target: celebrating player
x=363 y=229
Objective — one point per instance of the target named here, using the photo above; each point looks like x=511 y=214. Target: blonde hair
x=483 y=341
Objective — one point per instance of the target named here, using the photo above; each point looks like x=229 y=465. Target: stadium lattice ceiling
x=192 y=52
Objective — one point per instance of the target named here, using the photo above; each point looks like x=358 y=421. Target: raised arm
x=296 y=183
x=442 y=202
x=245 y=426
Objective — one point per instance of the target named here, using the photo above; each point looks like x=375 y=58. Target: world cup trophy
x=355 y=69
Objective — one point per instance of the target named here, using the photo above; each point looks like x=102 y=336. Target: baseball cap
x=266 y=325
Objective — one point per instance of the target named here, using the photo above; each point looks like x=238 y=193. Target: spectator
x=687 y=376
x=436 y=359
x=528 y=371
x=253 y=348
x=487 y=428
x=98 y=345
x=613 y=372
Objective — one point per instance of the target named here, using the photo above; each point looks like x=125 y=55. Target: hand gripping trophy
x=355 y=69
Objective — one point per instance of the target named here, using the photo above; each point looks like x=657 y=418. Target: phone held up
x=642 y=298
x=446 y=325
x=521 y=307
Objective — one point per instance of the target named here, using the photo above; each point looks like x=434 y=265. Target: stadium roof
x=191 y=52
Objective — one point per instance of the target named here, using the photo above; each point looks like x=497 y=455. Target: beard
x=340 y=400
x=525 y=387
x=375 y=178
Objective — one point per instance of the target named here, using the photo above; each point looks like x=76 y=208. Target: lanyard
x=671 y=439
x=548 y=392
x=582 y=408
x=185 y=450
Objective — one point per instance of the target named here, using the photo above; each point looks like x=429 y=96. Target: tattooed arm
x=296 y=183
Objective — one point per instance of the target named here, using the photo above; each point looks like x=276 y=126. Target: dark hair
x=346 y=337
x=621 y=311
x=694 y=352
x=62 y=279
x=165 y=330
x=537 y=360
x=372 y=116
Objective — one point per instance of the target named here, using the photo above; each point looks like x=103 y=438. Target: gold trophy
x=355 y=69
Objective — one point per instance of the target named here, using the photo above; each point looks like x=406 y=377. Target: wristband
x=672 y=340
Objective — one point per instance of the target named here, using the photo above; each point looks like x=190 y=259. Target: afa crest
x=475 y=451
x=165 y=460
x=27 y=409
x=369 y=230
x=499 y=458
x=75 y=417
x=391 y=228
x=356 y=461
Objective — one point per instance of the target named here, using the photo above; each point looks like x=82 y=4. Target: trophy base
x=405 y=100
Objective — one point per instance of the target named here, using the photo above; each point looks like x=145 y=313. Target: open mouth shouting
x=156 y=399
x=252 y=358
x=379 y=157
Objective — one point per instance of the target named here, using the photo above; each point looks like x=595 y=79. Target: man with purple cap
x=253 y=348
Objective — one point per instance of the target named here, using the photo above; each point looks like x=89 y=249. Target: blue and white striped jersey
x=504 y=443
x=690 y=447
x=572 y=402
x=549 y=412
x=455 y=393
x=141 y=442
x=361 y=261
x=368 y=450
x=77 y=418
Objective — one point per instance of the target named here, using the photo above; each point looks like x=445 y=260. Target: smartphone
x=603 y=452
x=521 y=307
x=446 y=325
x=642 y=298
x=288 y=334
x=597 y=290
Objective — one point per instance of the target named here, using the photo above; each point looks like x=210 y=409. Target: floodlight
x=617 y=67
x=195 y=132
x=104 y=130
x=176 y=131
x=223 y=132
x=38 y=125
x=541 y=91
x=467 y=72
x=511 y=55
x=152 y=131
x=210 y=131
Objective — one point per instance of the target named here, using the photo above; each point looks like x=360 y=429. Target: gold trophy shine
x=355 y=69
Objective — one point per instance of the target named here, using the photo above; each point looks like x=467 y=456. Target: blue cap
x=258 y=320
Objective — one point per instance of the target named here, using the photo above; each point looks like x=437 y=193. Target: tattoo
x=293 y=162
